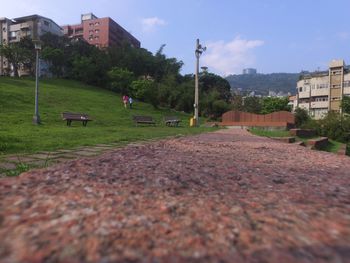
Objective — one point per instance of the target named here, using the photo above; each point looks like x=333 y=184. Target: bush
x=301 y=117
x=120 y=80
x=335 y=127
x=347 y=149
x=145 y=90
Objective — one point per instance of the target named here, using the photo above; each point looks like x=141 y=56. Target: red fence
x=239 y=118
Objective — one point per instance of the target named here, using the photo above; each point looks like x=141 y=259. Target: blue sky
x=270 y=35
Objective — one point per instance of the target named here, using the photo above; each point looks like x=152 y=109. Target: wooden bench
x=69 y=117
x=171 y=121
x=144 y=120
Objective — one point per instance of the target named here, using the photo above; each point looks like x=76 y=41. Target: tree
x=120 y=80
x=210 y=82
x=56 y=59
x=301 y=117
x=145 y=90
x=252 y=104
x=237 y=102
x=272 y=104
x=345 y=104
x=17 y=55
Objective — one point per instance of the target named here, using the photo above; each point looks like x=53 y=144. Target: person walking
x=125 y=100
x=130 y=102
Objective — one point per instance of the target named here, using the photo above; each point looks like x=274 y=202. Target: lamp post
x=199 y=50
x=36 y=117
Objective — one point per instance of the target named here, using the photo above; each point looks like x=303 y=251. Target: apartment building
x=100 y=32
x=321 y=92
x=33 y=26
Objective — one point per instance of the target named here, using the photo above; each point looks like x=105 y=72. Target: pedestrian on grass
x=125 y=100
x=130 y=102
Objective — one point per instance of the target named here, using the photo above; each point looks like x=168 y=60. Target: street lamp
x=199 y=50
x=36 y=117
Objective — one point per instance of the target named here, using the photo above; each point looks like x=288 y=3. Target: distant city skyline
x=269 y=35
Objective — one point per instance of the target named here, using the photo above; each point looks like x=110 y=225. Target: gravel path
x=226 y=196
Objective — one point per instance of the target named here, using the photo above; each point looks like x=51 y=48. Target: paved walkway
x=226 y=196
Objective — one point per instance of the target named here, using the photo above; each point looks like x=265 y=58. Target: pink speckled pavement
x=226 y=196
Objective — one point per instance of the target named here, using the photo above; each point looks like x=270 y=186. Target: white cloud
x=151 y=23
x=230 y=57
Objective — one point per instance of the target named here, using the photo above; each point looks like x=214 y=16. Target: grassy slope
x=112 y=123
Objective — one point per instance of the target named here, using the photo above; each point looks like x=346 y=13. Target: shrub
x=120 y=80
x=301 y=117
x=145 y=90
x=335 y=127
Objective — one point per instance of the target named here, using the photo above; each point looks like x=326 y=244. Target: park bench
x=171 y=121
x=69 y=117
x=144 y=120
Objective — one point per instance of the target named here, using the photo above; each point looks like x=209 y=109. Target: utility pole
x=199 y=50
x=36 y=117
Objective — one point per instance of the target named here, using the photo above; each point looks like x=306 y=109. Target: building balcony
x=347 y=91
x=319 y=104
x=304 y=106
x=319 y=92
x=304 y=94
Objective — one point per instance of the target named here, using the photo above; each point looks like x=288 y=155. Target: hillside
x=111 y=121
x=263 y=83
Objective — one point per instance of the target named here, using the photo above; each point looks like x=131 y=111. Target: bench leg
x=84 y=123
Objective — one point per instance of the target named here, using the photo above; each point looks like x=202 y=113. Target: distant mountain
x=263 y=83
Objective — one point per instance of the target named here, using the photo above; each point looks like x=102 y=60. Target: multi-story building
x=321 y=92
x=249 y=71
x=34 y=26
x=100 y=32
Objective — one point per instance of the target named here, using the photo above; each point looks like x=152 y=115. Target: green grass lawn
x=111 y=121
x=269 y=133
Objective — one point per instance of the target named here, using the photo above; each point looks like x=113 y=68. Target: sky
x=269 y=35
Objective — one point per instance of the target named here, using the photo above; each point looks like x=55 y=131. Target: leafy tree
x=301 y=117
x=17 y=55
x=210 y=82
x=120 y=80
x=56 y=59
x=334 y=126
x=145 y=90
x=272 y=104
x=237 y=102
x=252 y=104
x=345 y=104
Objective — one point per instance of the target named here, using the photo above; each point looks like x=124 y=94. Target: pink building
x=101 y=32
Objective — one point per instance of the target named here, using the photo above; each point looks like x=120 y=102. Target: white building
x=320 y=92
x=34 y=26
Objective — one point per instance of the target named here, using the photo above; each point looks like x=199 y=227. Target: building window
x=4 y=29
x=97 y=23
x=91 y=24
x=97 y=31
x=46 y=23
